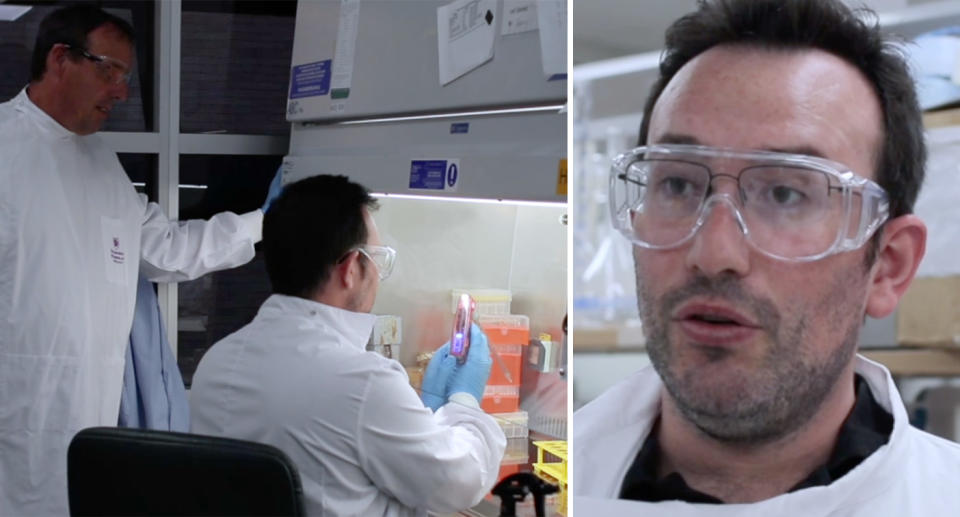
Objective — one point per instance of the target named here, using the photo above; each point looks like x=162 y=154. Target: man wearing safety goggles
x=769 y=209
x=74 y=238
x=299 y=377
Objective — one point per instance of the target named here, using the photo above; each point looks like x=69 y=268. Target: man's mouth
x=715 y=323
x=716 y=313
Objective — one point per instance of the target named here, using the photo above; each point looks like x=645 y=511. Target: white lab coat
x=298 y=377
x=914 y=474
x=73 y=234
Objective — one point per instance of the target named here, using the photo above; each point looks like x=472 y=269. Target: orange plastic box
x=508 y=336
x=506 y=329
x=500 y=399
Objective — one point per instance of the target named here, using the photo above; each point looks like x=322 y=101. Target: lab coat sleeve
x=440 y=462
x=174 y=251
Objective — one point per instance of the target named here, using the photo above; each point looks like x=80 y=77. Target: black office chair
x=116 y=471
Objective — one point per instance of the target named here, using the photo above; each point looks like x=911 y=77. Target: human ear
x=901 y=248
x=349 y=271
x=56 y=59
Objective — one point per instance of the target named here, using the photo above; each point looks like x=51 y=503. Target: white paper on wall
x=552 y=19
x=465 y=35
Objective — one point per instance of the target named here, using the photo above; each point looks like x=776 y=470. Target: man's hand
x=471 y=376
x=436 y=377
x=444 y=376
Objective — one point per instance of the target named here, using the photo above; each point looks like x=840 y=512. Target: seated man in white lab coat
x=769 y=211
x=298 y=376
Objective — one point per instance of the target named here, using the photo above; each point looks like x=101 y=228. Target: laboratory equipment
x=514 y=425
x=553 y=471
x=489 y=301
x=386 y=336
x=543 y=353
x=460 y=336
x=515 y=488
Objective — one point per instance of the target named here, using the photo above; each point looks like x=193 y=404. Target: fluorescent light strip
x=182 y=185
x=617 y=66
x=516 y=202
x=554 y=108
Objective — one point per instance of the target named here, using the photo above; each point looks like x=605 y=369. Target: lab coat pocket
x=40 y=393
x=116 y=250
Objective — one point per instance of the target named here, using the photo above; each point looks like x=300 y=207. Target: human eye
x=676 y=180
x=676 y=186
x=785 y=195
x=782 y=186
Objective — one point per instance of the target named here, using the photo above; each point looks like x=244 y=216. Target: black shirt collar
x=865 y=430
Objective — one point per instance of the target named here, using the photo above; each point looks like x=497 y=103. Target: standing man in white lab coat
x=74 y=235
x=769 y=209
x=298 y=376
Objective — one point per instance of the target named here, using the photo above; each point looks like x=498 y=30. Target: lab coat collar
x=42 y=118
x=355 y=327
x=612 y=437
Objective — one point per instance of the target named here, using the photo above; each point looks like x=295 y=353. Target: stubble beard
x=768 y=402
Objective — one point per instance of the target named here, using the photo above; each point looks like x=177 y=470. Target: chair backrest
x=116 y=471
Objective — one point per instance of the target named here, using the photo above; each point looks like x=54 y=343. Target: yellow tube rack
x=551 y=470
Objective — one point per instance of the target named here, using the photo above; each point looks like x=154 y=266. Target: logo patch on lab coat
x=115 y=252
x=116 y=242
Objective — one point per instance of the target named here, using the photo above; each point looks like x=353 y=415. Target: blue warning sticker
x=435 y=175
x=459 y=127
x=310 y=79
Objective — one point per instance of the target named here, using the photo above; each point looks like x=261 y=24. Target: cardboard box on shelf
x=929 y=312
x=941 y=118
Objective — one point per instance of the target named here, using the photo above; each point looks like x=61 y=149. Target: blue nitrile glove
x=276 y=187
x=433 y=390
x=471 y=377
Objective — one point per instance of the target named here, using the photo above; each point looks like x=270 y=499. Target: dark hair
x=311 y=226
x=814 y=24
x=71 y=25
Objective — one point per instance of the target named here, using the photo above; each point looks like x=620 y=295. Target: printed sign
x=310 y=80
x=442 y=175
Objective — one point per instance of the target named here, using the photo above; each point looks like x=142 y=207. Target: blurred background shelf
x=916 y=361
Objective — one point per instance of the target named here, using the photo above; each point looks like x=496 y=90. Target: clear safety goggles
x=112 y=71
x=789 y=206
x=383 y=257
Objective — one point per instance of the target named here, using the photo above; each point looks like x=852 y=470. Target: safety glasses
x=383 y=257
x=112 y=71
x=790 y=207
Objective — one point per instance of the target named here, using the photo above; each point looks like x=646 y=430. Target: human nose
x=719 y=245
x=120 y=91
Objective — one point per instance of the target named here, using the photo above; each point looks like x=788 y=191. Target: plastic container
x=514 y=425
x=489 y=301
x=517 y=452
x=501 y=399
x=506 y=329
x=508 y=335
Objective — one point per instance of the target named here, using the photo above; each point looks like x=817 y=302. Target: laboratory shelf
x=917 y=361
